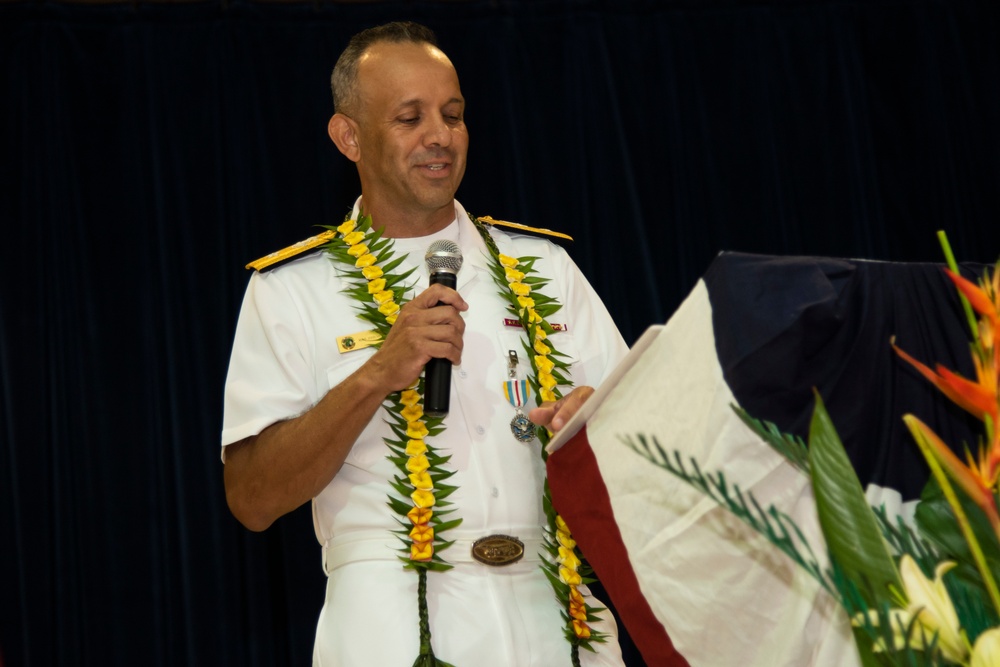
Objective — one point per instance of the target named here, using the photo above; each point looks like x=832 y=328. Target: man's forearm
x=290 y=462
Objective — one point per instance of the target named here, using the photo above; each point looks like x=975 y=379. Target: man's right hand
x=430 y=326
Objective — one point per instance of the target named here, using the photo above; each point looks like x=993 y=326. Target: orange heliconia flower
x=985 y=300
x=979 y=295
x=986 y=464
x=969 y=478
x=979 y=398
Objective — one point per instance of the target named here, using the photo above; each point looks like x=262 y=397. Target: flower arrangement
x=924 y=595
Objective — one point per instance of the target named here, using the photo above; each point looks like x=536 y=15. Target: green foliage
x=852 y=532
x=789 y=446
x=936 y=519
x=968 y=591
x=863 y=542
x=903 y=539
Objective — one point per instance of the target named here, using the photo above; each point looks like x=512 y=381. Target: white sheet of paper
x=576 y=422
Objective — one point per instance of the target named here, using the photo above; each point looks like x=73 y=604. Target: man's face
x=411 y=129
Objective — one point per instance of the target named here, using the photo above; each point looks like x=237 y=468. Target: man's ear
x=344 y=133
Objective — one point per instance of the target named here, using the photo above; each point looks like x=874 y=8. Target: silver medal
x=517 y=392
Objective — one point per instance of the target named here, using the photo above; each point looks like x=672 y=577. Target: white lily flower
x=928 y=602
x=986 y=652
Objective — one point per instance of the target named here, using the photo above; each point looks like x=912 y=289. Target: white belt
x=367 y=547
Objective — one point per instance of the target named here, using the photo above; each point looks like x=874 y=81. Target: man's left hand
x=554 y=415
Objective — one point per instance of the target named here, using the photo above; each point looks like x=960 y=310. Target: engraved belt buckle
x=497 y=550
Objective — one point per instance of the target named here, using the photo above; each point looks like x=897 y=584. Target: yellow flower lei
x=519 y=285
x=420 y=492
x=380 y=294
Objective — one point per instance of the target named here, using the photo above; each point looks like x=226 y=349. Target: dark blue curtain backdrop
x=147 y=152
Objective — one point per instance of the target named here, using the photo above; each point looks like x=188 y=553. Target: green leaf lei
x=419 y=497
x=520 y=285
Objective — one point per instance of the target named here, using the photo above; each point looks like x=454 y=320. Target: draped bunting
x=760 y=332
x=147 y=152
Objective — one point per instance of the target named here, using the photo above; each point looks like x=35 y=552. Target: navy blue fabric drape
x=786 y=325
x=147 y=152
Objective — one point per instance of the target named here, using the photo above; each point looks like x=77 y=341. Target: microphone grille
x=443 y=256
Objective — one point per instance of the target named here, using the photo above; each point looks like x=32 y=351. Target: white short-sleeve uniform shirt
x=285 y=358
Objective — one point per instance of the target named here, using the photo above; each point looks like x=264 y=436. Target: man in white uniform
x=304 y=417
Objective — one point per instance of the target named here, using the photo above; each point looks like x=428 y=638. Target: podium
x=693 y=584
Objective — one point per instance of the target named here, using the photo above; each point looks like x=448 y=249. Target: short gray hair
x=344 y=80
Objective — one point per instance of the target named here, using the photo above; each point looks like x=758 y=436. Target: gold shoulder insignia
x=275 y=258
x=516 y=226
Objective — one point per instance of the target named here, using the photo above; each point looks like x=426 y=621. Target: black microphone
x=444 y=259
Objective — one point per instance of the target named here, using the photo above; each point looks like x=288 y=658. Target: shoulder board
x=524 y=229
x=285 y=254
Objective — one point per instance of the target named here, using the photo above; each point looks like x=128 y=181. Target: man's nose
x=438 y=132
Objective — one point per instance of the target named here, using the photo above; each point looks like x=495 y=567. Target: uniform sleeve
x=598 y=342
x=270 y=374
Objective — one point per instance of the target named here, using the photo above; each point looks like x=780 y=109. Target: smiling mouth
x=436 y=169
x=435 y=162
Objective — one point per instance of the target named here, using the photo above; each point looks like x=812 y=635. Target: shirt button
x=480 y=430
x=463 y=374
x=496 y=492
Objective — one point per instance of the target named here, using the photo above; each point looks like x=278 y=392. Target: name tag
x=358 y=341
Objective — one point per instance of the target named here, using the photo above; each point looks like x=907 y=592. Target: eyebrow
x=416 y=102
